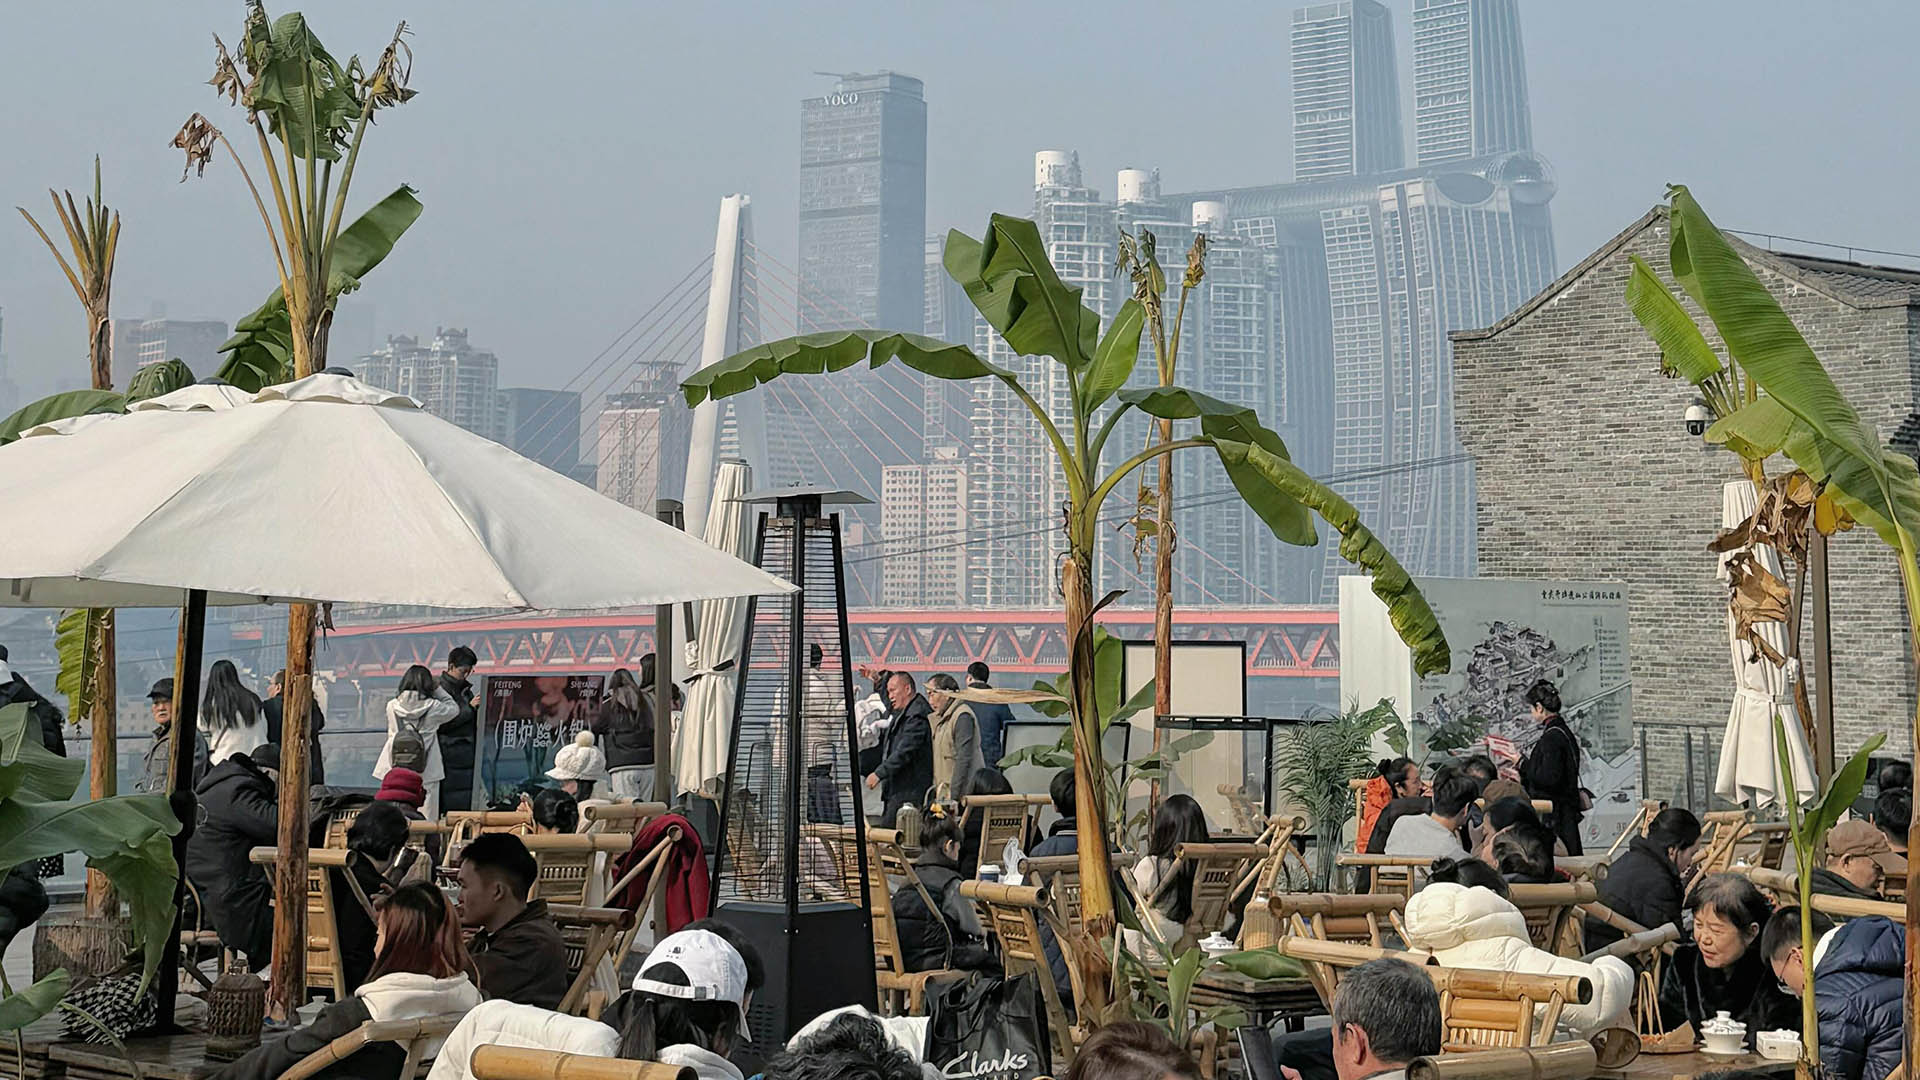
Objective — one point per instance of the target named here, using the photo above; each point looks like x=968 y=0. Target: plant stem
x=1113 y=479
x=1910 y=578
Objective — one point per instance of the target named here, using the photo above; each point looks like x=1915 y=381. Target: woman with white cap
x=688 y=1005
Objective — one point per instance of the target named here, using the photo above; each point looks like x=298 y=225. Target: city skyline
x=1616 y=132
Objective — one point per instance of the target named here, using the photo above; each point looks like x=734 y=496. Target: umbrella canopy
x=1749 y=768
x=706 y=729
x=330 y=489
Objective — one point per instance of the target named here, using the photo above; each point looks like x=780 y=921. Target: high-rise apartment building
x=139 y=342
x=947 y=406
x=923 y=529
x=1346 y=93
x=1469 y=80
x=448 y=376
x=641 y=439
x=544 y=425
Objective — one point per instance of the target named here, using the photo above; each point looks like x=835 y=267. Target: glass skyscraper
x=1469 y=80
x=1346 y=95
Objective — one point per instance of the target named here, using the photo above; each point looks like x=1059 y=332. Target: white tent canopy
x=1748 y=762
x=705 y=737
x=328 y=489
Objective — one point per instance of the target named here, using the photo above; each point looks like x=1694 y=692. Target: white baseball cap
x=714 y=968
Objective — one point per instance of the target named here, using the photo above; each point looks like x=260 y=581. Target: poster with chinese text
x=527 y=718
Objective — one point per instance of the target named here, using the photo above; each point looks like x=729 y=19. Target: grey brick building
x=1585 y=470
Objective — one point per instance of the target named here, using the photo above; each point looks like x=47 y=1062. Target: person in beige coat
x=956 y=740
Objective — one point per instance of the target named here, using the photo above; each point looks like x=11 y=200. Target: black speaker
x=790 y=865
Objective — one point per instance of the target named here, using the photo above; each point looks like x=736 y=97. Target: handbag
x=986 y=1027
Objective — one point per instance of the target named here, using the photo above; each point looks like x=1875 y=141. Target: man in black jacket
x=516 y=946
x=14 y=690
x=274 y=709
x=905 y=771
x=23 y=899
x=458 y=734
x=238 y=811
x=991 y=718
x=1552 y=769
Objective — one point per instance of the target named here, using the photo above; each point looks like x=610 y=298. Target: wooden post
x=186 y=696
x=1822 y=655
x=290 y=873
x=667 y=510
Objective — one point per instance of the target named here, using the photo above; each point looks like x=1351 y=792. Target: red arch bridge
x=1281 y=642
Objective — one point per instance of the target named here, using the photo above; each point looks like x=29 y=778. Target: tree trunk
x=1910 y=578
x=1162 y=602
x=1089 y=768
x=103 y=724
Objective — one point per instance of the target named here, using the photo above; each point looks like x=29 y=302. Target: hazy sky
x=570 y=155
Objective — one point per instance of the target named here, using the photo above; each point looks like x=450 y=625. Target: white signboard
x=1505 y=634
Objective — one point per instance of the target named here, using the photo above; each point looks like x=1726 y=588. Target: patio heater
x=790 y=870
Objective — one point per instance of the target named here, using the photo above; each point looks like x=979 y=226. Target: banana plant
x=1791 y=406
x=1009 y=279
x=127 y=838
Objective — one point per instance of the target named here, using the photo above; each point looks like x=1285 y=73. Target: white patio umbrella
x=329 y=489
x=1749 y=767
x=706 y=726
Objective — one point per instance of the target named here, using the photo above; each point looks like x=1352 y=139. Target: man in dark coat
x=1857 y=971
x=23 y=899
x=1859 y=860
x=992 y=719
x=1552 y=769
x=905 y=771
x=14 y=690
x=457 y=736
x=516 y=947
x=238 y=812
x=1643 y=884
x=274 y=709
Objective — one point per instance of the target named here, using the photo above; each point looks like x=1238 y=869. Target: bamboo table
x=1688 y=1066
x=167 y=1057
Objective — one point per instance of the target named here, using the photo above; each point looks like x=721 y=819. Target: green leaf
x=814 y=354
x=1186 y=744
x=1010 y=280
x=78 y=640
x=306 y=96
x=260 y=352
x=1841 y=792
x=1180 y=976
x=1412 y=618
x=27 y=768
x=1683 y=348
x=1223 y=420
x=1141 y=701
x=1762 y=339
x=1756 y=430
x=1263 y=964
x=153 y=380
x=20 y=1009
x=60 y=407
x=1115 y=358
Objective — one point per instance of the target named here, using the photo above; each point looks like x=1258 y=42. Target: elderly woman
x=1721 y=969
x=956 y=740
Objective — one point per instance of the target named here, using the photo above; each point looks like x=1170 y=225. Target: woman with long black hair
x=1552 y=768
x=231 y=720
x=624 y=727
x=688 y=1005
x=1164 y=883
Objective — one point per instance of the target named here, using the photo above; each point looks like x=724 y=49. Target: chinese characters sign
x=528 y=718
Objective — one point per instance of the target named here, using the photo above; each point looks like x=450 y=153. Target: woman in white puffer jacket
x=1477 y=928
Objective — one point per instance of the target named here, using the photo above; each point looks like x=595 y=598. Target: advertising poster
x=1505 y=634
x=527 y=718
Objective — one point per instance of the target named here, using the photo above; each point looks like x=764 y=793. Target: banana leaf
x=152 y=380
x=1115 y=358
x=78 y=641
x=1766 y=426
x=23 y=1007
x=59 y=407
x=1683 y=348
x=814 y=354
x=1412 y=618
x=306 y=96
x=260 y=352
x=1010 y=280
x=1291 y=521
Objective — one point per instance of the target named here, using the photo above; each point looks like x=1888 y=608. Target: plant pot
x=84 y=946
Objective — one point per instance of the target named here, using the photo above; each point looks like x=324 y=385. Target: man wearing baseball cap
x=158 y=762
x=1858 y=860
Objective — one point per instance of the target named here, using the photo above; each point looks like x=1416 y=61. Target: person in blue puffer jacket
x=1857 y=968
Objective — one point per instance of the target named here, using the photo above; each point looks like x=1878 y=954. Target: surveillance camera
x=1697 y=417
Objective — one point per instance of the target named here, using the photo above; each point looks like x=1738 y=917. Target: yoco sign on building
x=1505 y=634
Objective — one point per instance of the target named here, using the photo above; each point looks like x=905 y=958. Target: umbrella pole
x=290 y=871
x=667 y=510
x=186 y=696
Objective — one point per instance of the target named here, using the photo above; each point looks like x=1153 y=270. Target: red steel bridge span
x=1282 y=642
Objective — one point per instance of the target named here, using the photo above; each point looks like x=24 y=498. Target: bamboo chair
x=1637 y=825
x=1583 y=867
x=590 y=935
x=1571 y=1060
x=649 y=864
x=1359 y=790
x=1016 y=911
x=415 y=1037
x=567 y=864
x=1399 y=875
x=522 y=1063
x=1331 y=918
x=1325 y=960
x=195 y=940
x=1550 y=914
x=1060 y=874
x=1217 y=868
x=340 y=821
x=902 y=992
x=1480 y=1009
x=464 y=825
x=1724 y=830
x=1765 y=844
x=627 y=816
x=1646 y=943
x=1278 y=839
x=325 y=971
x=1005 y=817
x=1787 y=888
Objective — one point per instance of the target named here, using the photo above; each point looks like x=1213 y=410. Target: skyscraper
x=923 y=526
x=139 y=342
x=640 y=440
x=947 y=406
x=449 y=377
x=1469 y=80
x=1346 y=93
x=863 y=225
x=544 y=425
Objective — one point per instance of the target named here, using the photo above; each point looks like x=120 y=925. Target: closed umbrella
x=706 y=728
x=330 y=489
x=1749 y=767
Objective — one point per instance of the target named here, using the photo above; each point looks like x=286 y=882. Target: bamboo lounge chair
x=413 y=1036
x=521 y=1063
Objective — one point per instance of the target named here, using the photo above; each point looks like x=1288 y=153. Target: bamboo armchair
x=902 y=992
x=521 y=1063
x=1785 y=886
x=325 y=971
x=1638 y=825
x=572 y=867
x=1060 y=874
x=1480 y=1009
x=1264 y=877
x=1724 y=828
x=1325 y=960
x=650 y=864
x=1016 y=912
x=1551 y=916
x=626 y=816
x=464 y=825
x=1003 y=818
x=1217 y=869
x=415 y=1037
x=1764 y=844
x=1392 y=874
x=1571 y=1060
x=590 y=935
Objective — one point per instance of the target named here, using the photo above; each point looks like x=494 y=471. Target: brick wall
x=1586 y=471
